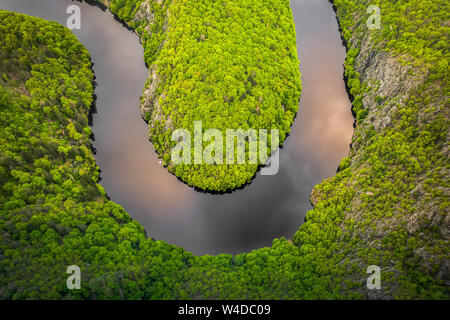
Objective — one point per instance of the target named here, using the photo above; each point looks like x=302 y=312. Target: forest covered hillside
x=387 y=205
x=228 y=64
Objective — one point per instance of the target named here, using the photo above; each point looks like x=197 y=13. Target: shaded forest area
x=229 y=64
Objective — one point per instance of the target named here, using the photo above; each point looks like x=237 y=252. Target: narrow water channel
x=270 y=207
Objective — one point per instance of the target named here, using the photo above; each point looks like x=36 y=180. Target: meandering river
x=271 y=206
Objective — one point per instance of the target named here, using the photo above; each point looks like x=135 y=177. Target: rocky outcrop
x=389 y=80
x=145 y=14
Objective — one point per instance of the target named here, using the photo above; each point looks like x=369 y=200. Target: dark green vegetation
x=387 y=206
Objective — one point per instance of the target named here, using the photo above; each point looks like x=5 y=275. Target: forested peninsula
x=387 y=205
x=227 y=64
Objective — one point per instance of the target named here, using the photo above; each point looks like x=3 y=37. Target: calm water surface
x=270 y=207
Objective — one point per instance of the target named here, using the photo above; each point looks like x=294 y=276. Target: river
x=271 y=206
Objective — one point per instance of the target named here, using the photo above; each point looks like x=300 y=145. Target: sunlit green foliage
x=53 y=213
x=229 y=64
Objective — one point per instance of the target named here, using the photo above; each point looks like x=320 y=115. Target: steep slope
x=227 y=64
x=53 y=214
x=388 y=205
x=389 y=202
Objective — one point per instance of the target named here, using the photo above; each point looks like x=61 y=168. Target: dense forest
x=229 y=64
x=387 y=205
